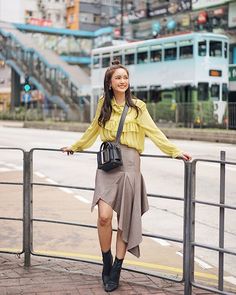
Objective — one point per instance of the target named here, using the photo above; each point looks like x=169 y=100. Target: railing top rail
x=194 y=162
x=12 y=148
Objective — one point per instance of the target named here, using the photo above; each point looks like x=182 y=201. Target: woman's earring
x=110 y=87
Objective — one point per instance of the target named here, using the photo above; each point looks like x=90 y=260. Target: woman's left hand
x=185 y=156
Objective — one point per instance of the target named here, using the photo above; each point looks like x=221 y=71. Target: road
x=162 y=176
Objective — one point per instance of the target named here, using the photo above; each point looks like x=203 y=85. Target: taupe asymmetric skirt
x=123 y=188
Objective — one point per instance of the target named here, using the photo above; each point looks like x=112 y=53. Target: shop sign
x=39 y=22
x=185 y=21
x=171 y=8
x=199 y=4
x=232 y=73
x=232 y=15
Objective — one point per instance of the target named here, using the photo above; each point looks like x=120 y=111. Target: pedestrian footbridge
x=64 y=85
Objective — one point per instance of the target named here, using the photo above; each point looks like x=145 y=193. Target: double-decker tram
x=183 y=78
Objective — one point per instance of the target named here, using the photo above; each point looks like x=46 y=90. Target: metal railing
x=190 y=201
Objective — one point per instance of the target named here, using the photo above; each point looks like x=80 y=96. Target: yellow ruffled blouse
x=134 y=130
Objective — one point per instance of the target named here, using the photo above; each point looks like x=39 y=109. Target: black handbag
x=109 y=155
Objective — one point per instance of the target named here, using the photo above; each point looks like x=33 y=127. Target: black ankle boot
x=107 y=265
x=114 y=279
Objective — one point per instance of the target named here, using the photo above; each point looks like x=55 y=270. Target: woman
x=121 y=189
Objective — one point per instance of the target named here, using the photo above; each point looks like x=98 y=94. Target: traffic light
x=26 y=85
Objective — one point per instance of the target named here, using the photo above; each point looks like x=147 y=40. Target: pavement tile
x=54 y=277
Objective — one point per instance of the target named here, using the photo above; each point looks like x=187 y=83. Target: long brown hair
x=108 y=94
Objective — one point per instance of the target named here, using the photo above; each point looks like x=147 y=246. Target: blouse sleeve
x=155 y=134
x=91 y=134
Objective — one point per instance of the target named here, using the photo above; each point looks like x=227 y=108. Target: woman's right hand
x=68 y=150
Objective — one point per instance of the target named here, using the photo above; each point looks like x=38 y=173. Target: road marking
x=13 y=166
x=201 y=263
x=5 y=169
x=162 y=242
x=82 y=199
x=127 y=262
x=51 y=181
x=230 y=279
x=39 y=174
x=66 y=190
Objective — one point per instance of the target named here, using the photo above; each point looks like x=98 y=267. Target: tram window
x=96 y=61
x=118 y=57
x=202 y=91
x=202 y=48
x=129 y=59
x=105 y=61
x=215 y=91
x=154 y=95
x=142 y=94
x=142 y=57
x=224 y=92
x=170 y=53
x=156 y=55
x=226 y=50
x=186 y=52
x=216 y=48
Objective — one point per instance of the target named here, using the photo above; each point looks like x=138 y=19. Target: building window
x=58 y=17
x=216 y=48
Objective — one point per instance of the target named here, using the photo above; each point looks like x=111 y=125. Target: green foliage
x=22 y=114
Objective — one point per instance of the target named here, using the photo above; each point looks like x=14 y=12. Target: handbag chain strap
x=121 y=123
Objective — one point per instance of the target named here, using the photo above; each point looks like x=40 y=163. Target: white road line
x=51 y=181
x=2 y=169
x=39 y=174
x=13 y=166
x=66 y=190
x=82 y=199
x=230 y=279
x=201 y=263
x=161 y=242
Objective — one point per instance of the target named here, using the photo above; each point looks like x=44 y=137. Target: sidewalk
x=49 y=276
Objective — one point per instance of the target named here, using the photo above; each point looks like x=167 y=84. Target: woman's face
x=120 y=81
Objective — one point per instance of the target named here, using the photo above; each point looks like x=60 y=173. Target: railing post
x=221 y=222
x=27 y=214
x=188 y=254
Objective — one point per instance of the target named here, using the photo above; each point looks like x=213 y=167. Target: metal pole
x=188 y=256
x=221 y=222
x=27 y=213
x=121 y=19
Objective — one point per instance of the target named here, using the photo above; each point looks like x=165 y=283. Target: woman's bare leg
x=104 y=225
x=120 y=245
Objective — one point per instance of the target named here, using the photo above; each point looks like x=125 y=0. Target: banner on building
x=199 y=4
x=232 y=15
x=171 y=8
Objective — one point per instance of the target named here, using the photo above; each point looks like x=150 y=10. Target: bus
x=182 y=78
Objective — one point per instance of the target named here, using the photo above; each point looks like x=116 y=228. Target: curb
x=210 y=135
